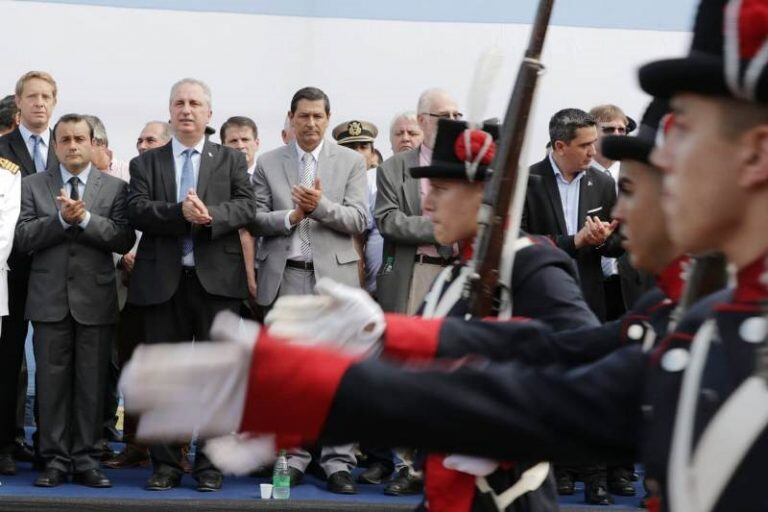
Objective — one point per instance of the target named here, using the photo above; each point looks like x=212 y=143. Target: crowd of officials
x=108 y=254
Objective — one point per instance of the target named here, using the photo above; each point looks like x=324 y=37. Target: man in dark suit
x=30 y=146
x=188 y=198
x=571 y=202
x=72 y=220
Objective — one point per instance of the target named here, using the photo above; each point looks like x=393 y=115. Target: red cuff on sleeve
x=291 y=389
x=411 y=337
x=445 y=489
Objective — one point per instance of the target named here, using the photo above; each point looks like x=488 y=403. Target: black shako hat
x=461 y=152
x=638 y=147
x=728 y=56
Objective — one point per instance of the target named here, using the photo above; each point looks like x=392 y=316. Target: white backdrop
x=119 y=64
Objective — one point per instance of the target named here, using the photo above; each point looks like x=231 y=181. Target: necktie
x=187 y=182
x=307 y=180
x=37 y=153
x=74 y=193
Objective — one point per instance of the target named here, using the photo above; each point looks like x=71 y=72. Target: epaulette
x=9 y=166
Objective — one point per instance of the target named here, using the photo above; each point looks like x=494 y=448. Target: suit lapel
x=411 y=185
x=585 y=196
x=92 y=187
x=168 y=172
x=22 y=153
x=291 y=165
x=325 y=163
x=207 y=160
x=53 y=162
x=553 y=193
x=55 y=184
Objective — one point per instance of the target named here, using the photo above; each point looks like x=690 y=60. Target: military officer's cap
x=461 y=152
x=728 y=56
x=355 y=131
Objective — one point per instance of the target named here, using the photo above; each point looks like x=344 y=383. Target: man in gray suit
x=310 y=203
x=72 y=219
x=412 y=258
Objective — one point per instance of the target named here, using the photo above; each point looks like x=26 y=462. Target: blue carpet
x=128 y=485
x=243 y=491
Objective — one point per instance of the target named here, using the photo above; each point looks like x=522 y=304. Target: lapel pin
x=589 y=183
x=210 y=154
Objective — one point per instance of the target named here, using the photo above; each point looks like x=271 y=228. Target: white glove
x=240 y=454
x=193 y=388
x=476 y=466
x=339 y=316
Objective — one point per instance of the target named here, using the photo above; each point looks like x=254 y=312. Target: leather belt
x=303 y=265
x=434 y=260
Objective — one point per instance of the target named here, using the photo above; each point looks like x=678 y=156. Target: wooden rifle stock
x=484 y=278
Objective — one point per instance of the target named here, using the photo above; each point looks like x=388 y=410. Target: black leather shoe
x=7 y=465
x=296 y=476
x=341 y=483
x=565 y=485
x=621 y=486
x=92 y=478
x=596 y=493
x=162 y=481
x=51 y=477
x=374 y=474
x=209 y=481
x=404 y=484
x=22 y=452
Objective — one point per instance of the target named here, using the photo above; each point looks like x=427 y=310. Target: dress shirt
x=45 y=137
x=609 y=265
x=425 y=159
x=295 y=252
x=569 y=197
x=178 y=159
x=82 y=180
x=374 y=244
x=119 y=169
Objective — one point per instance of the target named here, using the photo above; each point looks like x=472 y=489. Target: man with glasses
x=412 y=256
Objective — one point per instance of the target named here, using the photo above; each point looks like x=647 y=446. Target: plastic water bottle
x=281 y=478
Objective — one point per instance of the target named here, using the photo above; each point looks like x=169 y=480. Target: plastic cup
x=266 y=491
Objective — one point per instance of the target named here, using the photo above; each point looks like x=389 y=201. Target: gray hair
x=563 y=125
x=167 y=133
x=192 y=81
x=409 y=115
x=99 y=131
x=427 y=97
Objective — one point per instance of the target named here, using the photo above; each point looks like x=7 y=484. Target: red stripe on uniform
x=447 y=490
x=291 y=389
x=409 y=338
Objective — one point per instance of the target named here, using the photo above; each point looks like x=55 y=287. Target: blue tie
x=187 y=182
x=37 y=155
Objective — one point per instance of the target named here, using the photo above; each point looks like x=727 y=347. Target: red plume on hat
x=745 y=27
x=472 y=144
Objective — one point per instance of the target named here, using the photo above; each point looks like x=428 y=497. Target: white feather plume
x=486 y=72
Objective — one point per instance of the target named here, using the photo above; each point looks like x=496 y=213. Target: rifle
x=484 y=275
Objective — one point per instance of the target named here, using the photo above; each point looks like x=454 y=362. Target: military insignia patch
x=9 y=166
x=355 y=128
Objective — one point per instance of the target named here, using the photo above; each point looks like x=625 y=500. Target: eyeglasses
x=621 y=130
x=446 y=115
